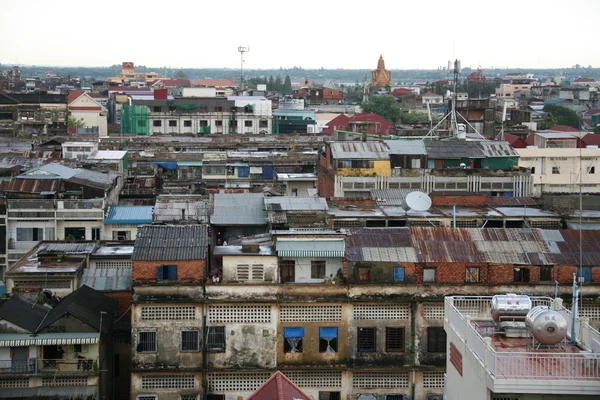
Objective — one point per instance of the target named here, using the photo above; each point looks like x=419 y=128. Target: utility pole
x=242 y=50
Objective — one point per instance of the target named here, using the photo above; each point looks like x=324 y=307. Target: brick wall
x=124 y=299
x=459 y=200
x=189 y=271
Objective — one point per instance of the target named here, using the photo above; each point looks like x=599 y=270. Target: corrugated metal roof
x=406 y=147
x=30 y=185
x=497 y=149
x=107 y=279
x=293 y=203
x=109 y=155
x=591 y=226
x=359 y=151
x=380 y=244
x=555 y=135
x=170 y=243
x=129 y=215
x=168 y=208
x=453 y=149
x=239 y=209
x=389 y=197
x=313 y=247
x=444 y=245
x=57 y=169
x=66 y=248
x=511 y=201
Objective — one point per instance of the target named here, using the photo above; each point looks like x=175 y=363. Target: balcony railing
x=28 y=366
x=460 y=310
x=66 y=365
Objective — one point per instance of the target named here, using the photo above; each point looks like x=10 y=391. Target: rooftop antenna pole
x=453 y=119
x=242 y=50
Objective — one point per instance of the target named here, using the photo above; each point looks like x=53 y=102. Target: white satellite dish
x=417 y=201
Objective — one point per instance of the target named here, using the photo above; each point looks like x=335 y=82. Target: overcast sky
x=311 y=34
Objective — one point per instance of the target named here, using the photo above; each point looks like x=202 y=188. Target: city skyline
x=312 y=36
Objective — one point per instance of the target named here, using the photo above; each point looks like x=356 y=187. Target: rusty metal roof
x=360 y=151
x=445 y=245
x=511 y=201
x=380 y=245
x=30 y=185
x=569 y=247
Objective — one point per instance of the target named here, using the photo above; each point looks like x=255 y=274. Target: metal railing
x=459 y=312
x=67 y=365
x=28 y=366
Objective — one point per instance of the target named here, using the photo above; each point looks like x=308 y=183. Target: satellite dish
x=417 y=201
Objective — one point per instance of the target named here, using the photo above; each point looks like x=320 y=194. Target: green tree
x=278 y=84
x=414 y=118
x=180 y=74
x=287 y=85
x=271 y=84
x=597 y=130
x=563 y=116
x=78 y=123
x=385 y=106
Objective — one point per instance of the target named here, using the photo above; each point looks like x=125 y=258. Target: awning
x=310 y=248
x=189 y=163
x=328 y=333
x=47 y=339
x=169 y=166
x=293 y=332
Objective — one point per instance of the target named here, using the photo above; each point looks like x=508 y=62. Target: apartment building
x=28 y=114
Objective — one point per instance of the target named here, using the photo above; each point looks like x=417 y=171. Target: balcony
x=81 y=365
x=511 y=363
x=18 y=367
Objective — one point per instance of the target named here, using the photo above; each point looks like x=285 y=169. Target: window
x=364 y=274
x=166 y=273
x=394 y=397
x=428 y=274
x=394 y=340
x=187 y=123
x=172 y=108
x=399 y=274
x=292 y=339
x=172 y=122
x=203 y=122
x=328 y=340
x=317 y=269
x=95 y=233
x=555 y=170
x=147 y=397
x=190 y=341
x=329 y=396
x=586 y=273
x=436 y=339
x=146 y=342
x=472 y=275
x=218 y=108
x=248 y=124
x=254 y=272
x=591 y=170
x=288 y=268
x=30 y=234
x=520 y=275
x=77 y=348
x=219 y=122
x=532 y=170
x=211 y=396
x=366 y=340
x=263 y=123
x=215 y=339
x=157 y=109
x=545 y=274
x=157 y=123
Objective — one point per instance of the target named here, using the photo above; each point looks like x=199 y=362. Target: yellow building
x=129 y=77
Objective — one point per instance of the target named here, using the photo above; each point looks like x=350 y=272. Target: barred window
x=216 y=339
x=190 y=341
x=366 y=340
x=436 y=339
x=147 y=342
x=394 y=339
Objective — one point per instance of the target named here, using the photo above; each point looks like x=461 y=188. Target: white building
x=485 y=364
x=79 y=150
x=83 y=107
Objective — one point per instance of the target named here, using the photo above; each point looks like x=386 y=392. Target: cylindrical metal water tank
x=510 y=307
x=547 y=326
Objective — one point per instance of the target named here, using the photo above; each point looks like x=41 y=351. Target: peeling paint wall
x=231 y=263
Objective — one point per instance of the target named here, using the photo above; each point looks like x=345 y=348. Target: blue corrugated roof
x=129 y=215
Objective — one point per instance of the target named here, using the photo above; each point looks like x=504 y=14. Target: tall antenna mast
x=242 y=50
x=365 y=90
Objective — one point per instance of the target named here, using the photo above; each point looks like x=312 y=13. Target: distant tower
x=242 y=50
x=365 y=90
x=381 y=77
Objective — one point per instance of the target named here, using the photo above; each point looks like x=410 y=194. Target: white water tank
x=547 y=326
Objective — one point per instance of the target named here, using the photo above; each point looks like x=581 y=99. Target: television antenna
x=457 y=130
x=242 y=50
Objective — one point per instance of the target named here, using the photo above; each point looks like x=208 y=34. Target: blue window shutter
x=243 y=172
x=399 y=274
x=159 y=273
x=586 y=272
x=172 y=272
x=328 y=332
x=267 y=172
x=293 y=332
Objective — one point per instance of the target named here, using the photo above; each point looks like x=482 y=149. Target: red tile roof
x=73 y=95
x=515 y=141
x=128 y=89
x=582 y=80
x=530 y=140
x=386 y=126
x=563 y=128
x=279 y=387
x=172 y=82
x=214 y=83
x=593 y=111
x=430 y=94
x=401 y=92
x=341 y=121
x=591 y=139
